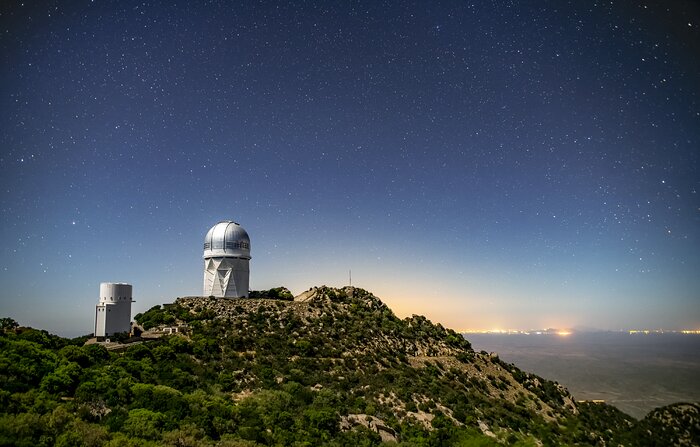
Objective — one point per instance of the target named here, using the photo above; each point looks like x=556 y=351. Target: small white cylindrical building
x=113 y=312
x=226 y=261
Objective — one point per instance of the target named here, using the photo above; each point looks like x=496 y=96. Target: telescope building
x=113 y=312
x=226 y=261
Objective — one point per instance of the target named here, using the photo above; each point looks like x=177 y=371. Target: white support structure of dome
x=226 y=261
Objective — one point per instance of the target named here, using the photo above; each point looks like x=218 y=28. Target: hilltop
x=329 y=367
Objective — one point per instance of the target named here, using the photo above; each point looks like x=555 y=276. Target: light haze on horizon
x=490 y=166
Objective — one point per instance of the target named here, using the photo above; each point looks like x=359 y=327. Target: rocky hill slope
x=409 y=373
x=331 y=367
x=677 y=424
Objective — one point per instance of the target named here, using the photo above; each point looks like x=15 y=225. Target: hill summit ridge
x=333 y=306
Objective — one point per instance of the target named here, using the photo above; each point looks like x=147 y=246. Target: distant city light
x=664 y=331
x=567 y=332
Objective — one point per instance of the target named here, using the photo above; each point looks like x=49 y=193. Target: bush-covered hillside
x=338 y=368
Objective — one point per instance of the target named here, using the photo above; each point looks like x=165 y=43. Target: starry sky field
x=488 y=164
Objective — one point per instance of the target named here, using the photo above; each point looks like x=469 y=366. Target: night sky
x=489 y=165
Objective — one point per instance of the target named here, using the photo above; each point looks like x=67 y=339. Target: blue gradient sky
x=510 y=165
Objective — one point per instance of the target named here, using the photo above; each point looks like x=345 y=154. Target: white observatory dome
x=227 y=239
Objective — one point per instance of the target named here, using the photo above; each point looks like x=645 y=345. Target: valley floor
x=635 y=373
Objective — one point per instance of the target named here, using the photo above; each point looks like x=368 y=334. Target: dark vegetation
x=276 y=293
x=169 y=314
x=264 y=372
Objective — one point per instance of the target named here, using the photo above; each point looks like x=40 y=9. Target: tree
x=8 y=324
x=21 y=430
x=83 y=434
x=23 y=364
x=75 y=354
x=63 y=380
x=144 y=423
